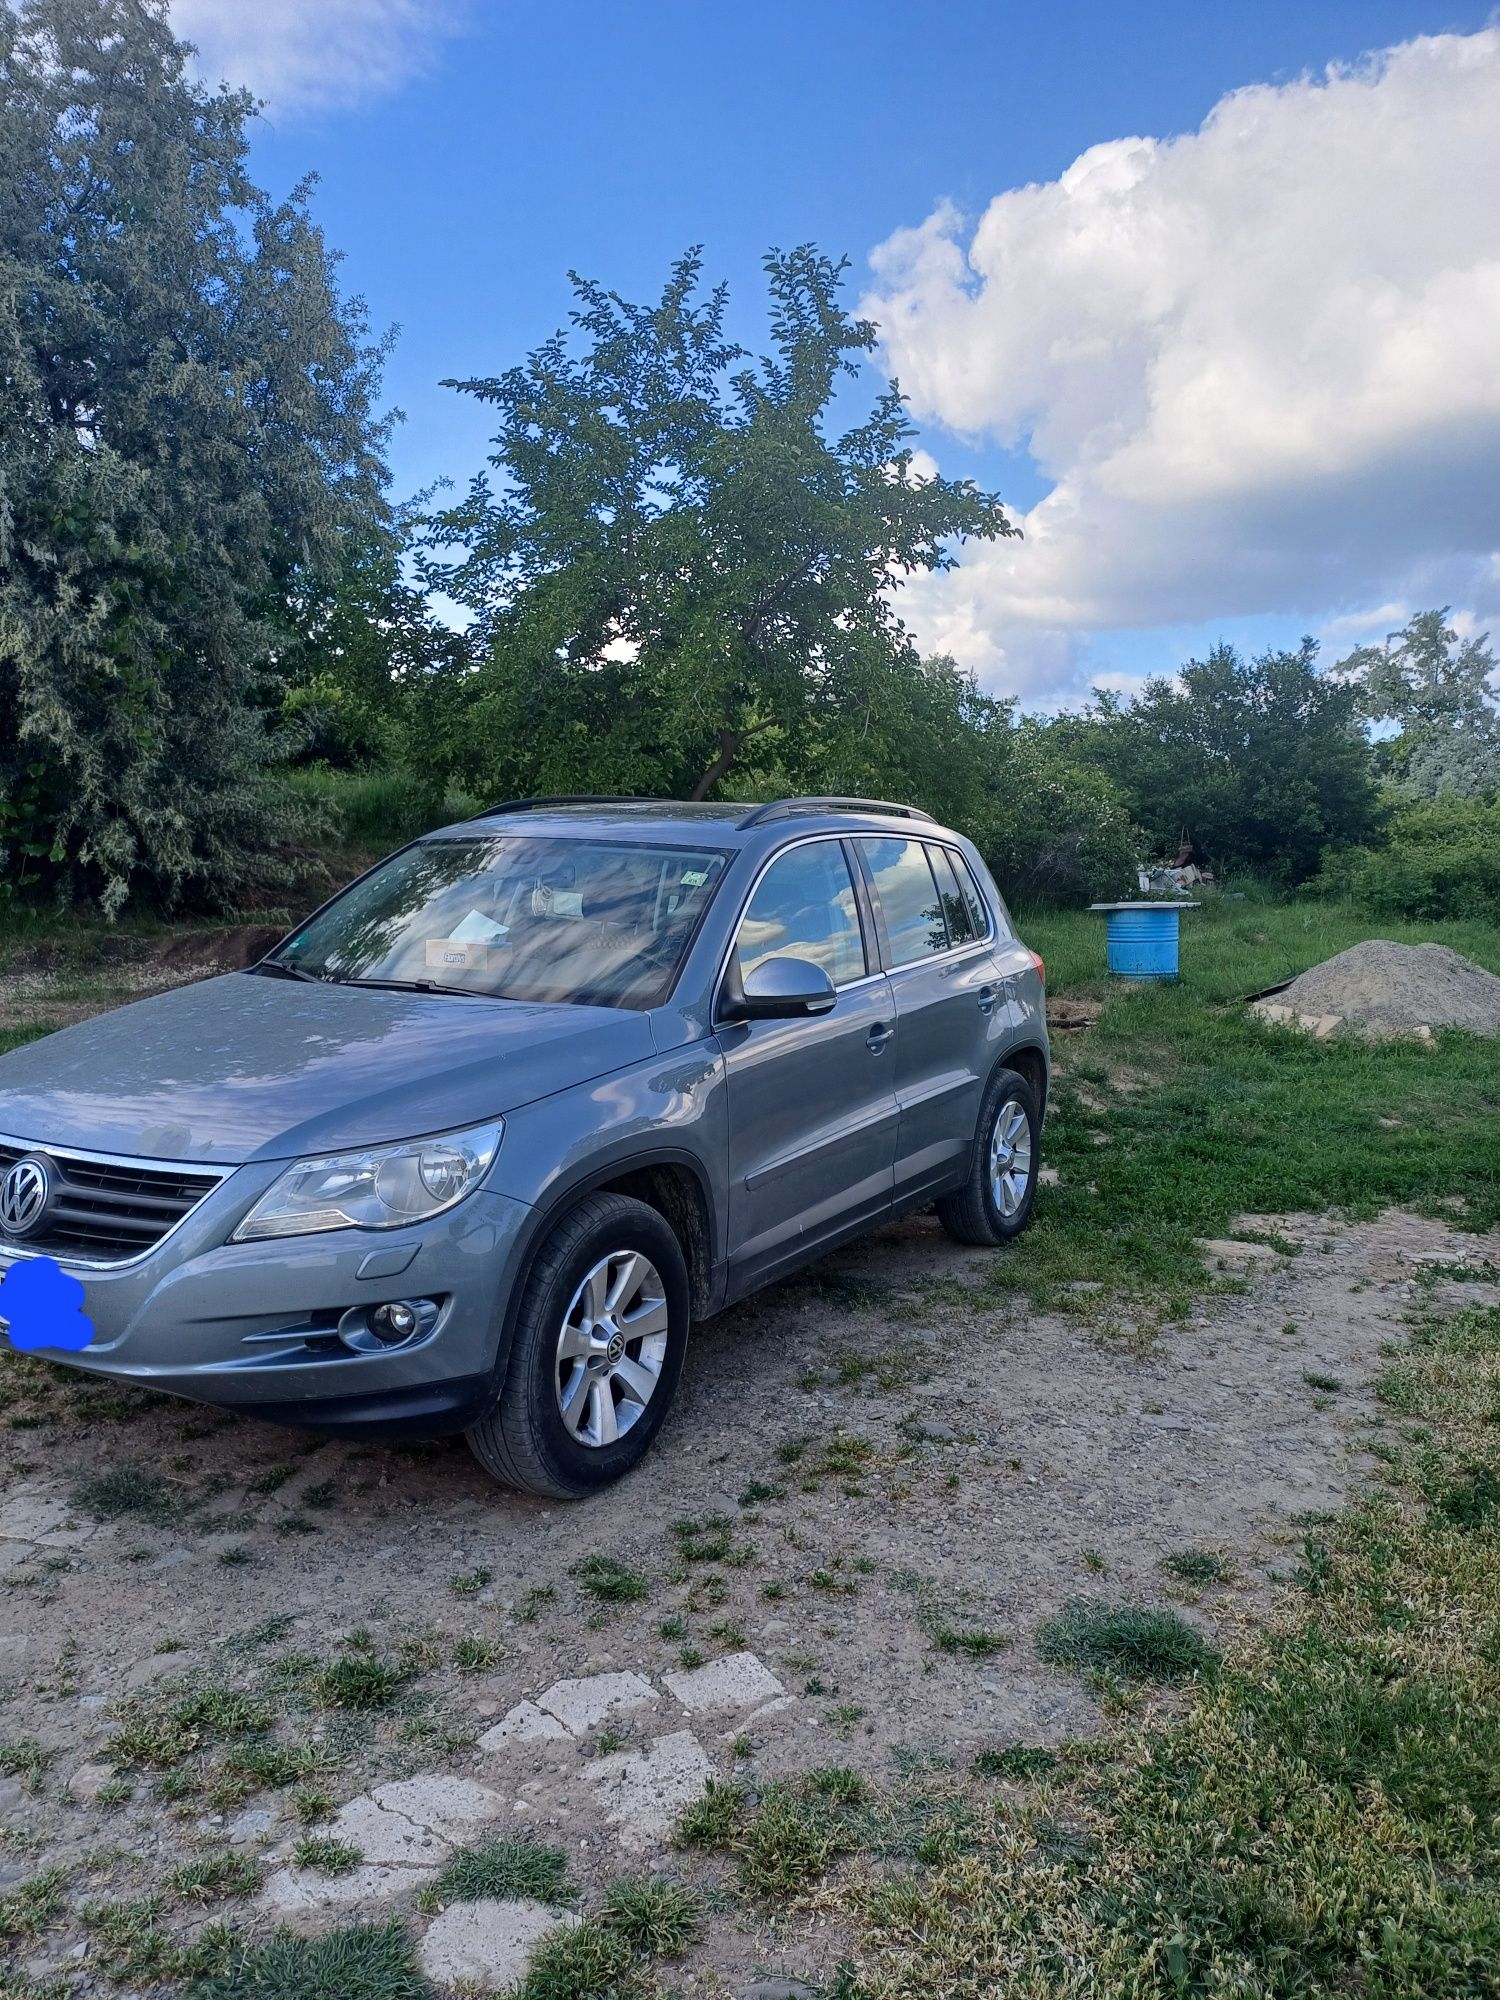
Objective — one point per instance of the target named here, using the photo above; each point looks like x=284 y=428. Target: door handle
x=878 y=1036
x=987 y=998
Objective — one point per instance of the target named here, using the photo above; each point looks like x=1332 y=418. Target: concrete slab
x=642 y=1792
x=450 y=1808
x=488 y=1945
x=580 y=1705
x=302 y=1892
x=739 y=1680
x=525 y=1723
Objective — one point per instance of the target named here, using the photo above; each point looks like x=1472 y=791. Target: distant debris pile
x=1381 y=989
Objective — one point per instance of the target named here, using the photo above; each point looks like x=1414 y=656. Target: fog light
x=374 y=1329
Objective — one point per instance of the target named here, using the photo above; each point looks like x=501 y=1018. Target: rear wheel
x=995 y=1202
x=598 y=1348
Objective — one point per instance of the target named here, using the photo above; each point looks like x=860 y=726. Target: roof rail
x=784 y=808
x=561 y=799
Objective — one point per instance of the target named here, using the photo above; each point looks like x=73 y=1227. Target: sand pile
x=1381 y=988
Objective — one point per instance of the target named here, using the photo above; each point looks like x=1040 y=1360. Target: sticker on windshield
x=456 y=955
x=694 y=878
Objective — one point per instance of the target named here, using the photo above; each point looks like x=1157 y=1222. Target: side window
x=805 y=908
x=982 y=917
x=909 y=899
x=955 y=905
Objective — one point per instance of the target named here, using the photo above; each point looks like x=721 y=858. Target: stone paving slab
x=525 y=1723
x=643 y=1791
x=303 y=1892
x=487 y=1945
x=580 y=1705
x=738 y=1680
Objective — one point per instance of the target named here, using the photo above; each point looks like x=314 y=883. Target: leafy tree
x=366 y=666
x=1440 y=691
x=1257 y=764
x=187 y=442
x=678 y=577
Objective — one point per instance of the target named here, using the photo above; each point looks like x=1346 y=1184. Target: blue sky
x=469 y=154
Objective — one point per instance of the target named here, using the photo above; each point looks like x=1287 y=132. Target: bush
x=1441 y=859
x=377 y=809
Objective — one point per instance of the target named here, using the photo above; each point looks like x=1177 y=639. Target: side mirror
x=778 y=989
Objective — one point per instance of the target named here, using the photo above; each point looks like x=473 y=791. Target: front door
x=812 y=1106
x=951 y=1013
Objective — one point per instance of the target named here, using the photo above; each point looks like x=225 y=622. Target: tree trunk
x=730 y=744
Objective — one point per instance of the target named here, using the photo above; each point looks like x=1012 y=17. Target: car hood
x=247 y=1067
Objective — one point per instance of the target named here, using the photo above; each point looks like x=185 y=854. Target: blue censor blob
x=44 y=1307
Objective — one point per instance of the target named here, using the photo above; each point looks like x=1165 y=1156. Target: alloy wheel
x=612 y=1347
x=1010 y=1158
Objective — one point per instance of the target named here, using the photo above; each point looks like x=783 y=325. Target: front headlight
x=385 y=1187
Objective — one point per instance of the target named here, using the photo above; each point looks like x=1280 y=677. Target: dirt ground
x=878 y=1483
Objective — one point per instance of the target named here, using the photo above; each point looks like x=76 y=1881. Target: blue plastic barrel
x=1142 y=938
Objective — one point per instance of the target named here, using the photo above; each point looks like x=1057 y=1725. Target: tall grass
x=378 y=810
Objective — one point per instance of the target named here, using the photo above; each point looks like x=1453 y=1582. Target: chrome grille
x=108 y=1210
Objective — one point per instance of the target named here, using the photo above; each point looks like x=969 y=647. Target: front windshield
x=518 y=917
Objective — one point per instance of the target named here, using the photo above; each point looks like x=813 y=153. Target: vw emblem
x=24 y=1194
x=616 y=1349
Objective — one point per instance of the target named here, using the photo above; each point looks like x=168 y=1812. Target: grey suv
x=473 y=1146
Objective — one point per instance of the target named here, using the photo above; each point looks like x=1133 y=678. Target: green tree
x=679 y=578
x=1257 y=764
x=1440 y=692
x=188 y=441
x=367 y=665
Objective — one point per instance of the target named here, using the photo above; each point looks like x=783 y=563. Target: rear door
x=812 y=1103
x=951 y=1016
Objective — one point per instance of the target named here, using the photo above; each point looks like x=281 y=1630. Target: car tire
x=617 y=1383
x=994 y=1204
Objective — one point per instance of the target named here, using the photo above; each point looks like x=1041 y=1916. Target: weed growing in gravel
x=29 y=1909
x=362 y=1680
x=469 y=1582
x=703 y=1541
x=609 y=1581
x=24 y=1758
x=214 y=1877
x=1022 y=1760
x=1330 y=1385
x=1134 y=1641
x=473 y=1655
x=1198 y=1566
x=657 y=1919
x=327 y=1855
x=131 y=1490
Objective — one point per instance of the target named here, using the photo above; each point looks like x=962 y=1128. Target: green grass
x=503 y=1869
x=130 y=1490
x=361 y=1962
x=1232 y=1116
x=610 y=1581
x=1134 y=1641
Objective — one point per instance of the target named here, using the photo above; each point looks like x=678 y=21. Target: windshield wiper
x=284 y=971
x=419 y=986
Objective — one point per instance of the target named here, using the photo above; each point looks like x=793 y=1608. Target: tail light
x=1037 y=961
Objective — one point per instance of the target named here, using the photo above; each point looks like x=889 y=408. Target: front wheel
x=598 y=1348
x=994 y=1204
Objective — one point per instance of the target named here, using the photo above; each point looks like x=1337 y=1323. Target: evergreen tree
x=188 y=440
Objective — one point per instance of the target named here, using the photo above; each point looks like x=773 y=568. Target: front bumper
x=251 y=1326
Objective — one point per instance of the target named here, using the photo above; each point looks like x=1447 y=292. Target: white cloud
x=310 y=54
x=1259 y=363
